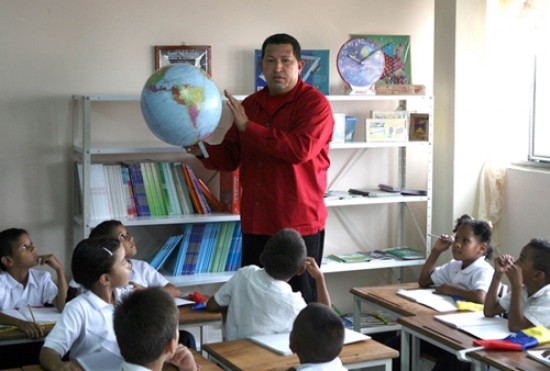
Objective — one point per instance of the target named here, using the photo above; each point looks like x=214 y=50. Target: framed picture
x=196 y=55
x=397 y=58
x=419 y=127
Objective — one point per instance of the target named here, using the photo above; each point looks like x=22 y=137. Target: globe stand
x=203 y=149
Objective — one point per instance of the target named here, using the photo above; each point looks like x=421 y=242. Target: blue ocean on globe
x=181 y=104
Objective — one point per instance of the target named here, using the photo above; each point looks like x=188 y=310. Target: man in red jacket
x=280 y=140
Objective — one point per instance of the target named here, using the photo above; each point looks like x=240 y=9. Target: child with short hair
x=22 y=285
x=260 y=301
x=528 y=301
x=467 y=275
x=86 y=324
x=317 y=337
x=146 y=328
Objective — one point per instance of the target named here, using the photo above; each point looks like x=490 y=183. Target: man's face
x=280 y=68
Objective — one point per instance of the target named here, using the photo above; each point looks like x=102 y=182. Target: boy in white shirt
x=528 y=301
x=259 y=301
x=317 y=338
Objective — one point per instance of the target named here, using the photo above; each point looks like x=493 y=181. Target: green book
x=405 y=253
x=355 y=257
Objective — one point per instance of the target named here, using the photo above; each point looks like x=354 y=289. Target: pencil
x=32 y=314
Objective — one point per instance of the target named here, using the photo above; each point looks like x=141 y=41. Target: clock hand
x=364 y=60
x=354 y=58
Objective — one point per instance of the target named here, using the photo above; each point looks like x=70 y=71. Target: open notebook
x=279 y=342
x=476 y=324
x=537 y=355
x=42 y=315
x=441 y=303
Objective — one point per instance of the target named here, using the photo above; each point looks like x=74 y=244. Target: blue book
x=167 y=258
x=183 y=246
x=193 y=248
x=235 y=250
x=211 y=246
x=138 y=187
x=202 y=258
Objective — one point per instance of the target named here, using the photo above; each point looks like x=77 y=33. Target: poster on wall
x=397 y=55
x=196 y=55
x=315 y=72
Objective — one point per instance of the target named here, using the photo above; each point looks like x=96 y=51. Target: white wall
x=51 y=49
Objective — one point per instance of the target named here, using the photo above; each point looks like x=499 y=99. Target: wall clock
x=360 y=63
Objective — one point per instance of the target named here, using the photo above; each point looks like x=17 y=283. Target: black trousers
x=253 y=246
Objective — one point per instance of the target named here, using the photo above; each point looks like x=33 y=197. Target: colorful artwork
x=397 y=55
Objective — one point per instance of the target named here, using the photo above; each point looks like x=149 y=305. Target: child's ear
x=301 y=270
x=104 y=279
x=7 y=261
x=540 y=276
x=171 y=347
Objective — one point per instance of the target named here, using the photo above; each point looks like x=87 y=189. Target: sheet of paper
x=537 y=355
x=103 y=360
x=441 y=303
x=181 y=301
x=42 y=315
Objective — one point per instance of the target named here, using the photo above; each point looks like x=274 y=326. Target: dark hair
x=481 y=229
x=105 y=229
x=144 y=322
x=8 y=238
x=540 y=249
x=318 y=333
x=283 y=38
x=93 y=257
x=284 y=253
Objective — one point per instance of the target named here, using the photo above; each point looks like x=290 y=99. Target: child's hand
x=444 y=289
x=50 y=260
x=443 y=243
x=70 y=366
x=136 y=285
x=515 y=276
x=313 y=269
x=183 y=359
x=31 y=329
x=503 y=263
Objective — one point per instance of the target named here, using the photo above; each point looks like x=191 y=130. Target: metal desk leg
x=357 y=313
x=405 y=350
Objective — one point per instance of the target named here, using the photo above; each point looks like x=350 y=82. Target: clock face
x=360 y=62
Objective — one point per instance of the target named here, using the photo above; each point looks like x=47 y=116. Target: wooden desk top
x=16 y=334
x=386 y=296
x=190 y=317
x=247 y=355
x=427 y=325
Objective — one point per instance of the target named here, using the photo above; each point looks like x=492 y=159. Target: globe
x=181 y=104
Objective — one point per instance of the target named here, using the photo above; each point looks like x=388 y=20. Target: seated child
x=467 y=275
x=146 y=328
x=317 y=337
x=259 y=301
x=86 y=324
x=22 y=285
x=528 y=302
x=143 y=274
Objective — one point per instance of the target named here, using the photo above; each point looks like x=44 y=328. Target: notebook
x=476 y=324
x=103 y=360
x=441 y=303
x=279 y=342
x=47 y=315
x=537 y=355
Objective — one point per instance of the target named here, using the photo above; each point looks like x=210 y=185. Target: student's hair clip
x=107 y=251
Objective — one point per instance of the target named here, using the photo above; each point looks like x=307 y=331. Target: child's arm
x=476 y=296
x=172 y=290
x=492 y=307
x=50 y=360
x=31 y=329
x=62 y=286
x=442 y=244
x=213 y=306
x=315 y=272
x=516 y=319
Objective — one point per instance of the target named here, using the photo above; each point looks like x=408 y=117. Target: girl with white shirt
x=86 y=324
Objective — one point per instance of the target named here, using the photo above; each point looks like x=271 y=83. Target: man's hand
x=237 y=110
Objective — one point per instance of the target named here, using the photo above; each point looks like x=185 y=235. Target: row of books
x=201 y=248
x=401 y=252
x=147 y=189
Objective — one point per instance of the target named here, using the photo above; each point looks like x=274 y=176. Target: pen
x=32 y=314
x=451 y=238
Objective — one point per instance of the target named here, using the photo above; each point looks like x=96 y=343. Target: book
x=138 y=188
x=405 y=253
x=537 y=355
x=386 y=130
x=193 y=193
x=43 y=315
x=202 y=198
x=149 y=191
x=279 y=342
x=99 y=205
x=193 y=249
x=103 y=360
x=210 y=198
x=354 y=257
x=157 y=188
x=441 y=303
x=234 y=258
x=165 y=251
x=129 y=198
x=182 y=189
x=476 y=324
x=168 y=187
x=230 y=191
x=371 y=192
x=403 y=191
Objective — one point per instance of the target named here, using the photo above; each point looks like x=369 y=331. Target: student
x=143 y=274
x=22 y=285
x=467 y=275
x=317 y=337
x=86 y=324
x=146 y=328
x=528 y=301
x=259 y=300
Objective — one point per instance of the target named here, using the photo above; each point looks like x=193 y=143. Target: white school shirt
x=85 y=326
x=477 y=276
x=126 y=366
x=334 y=365
x=536 y=308
x=258 y=304
x=39 y=290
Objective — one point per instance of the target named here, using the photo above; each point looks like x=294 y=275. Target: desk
x=386 y=297
x=247 y=355
x=506 y=360
x=17 y=336
x=198 y=318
